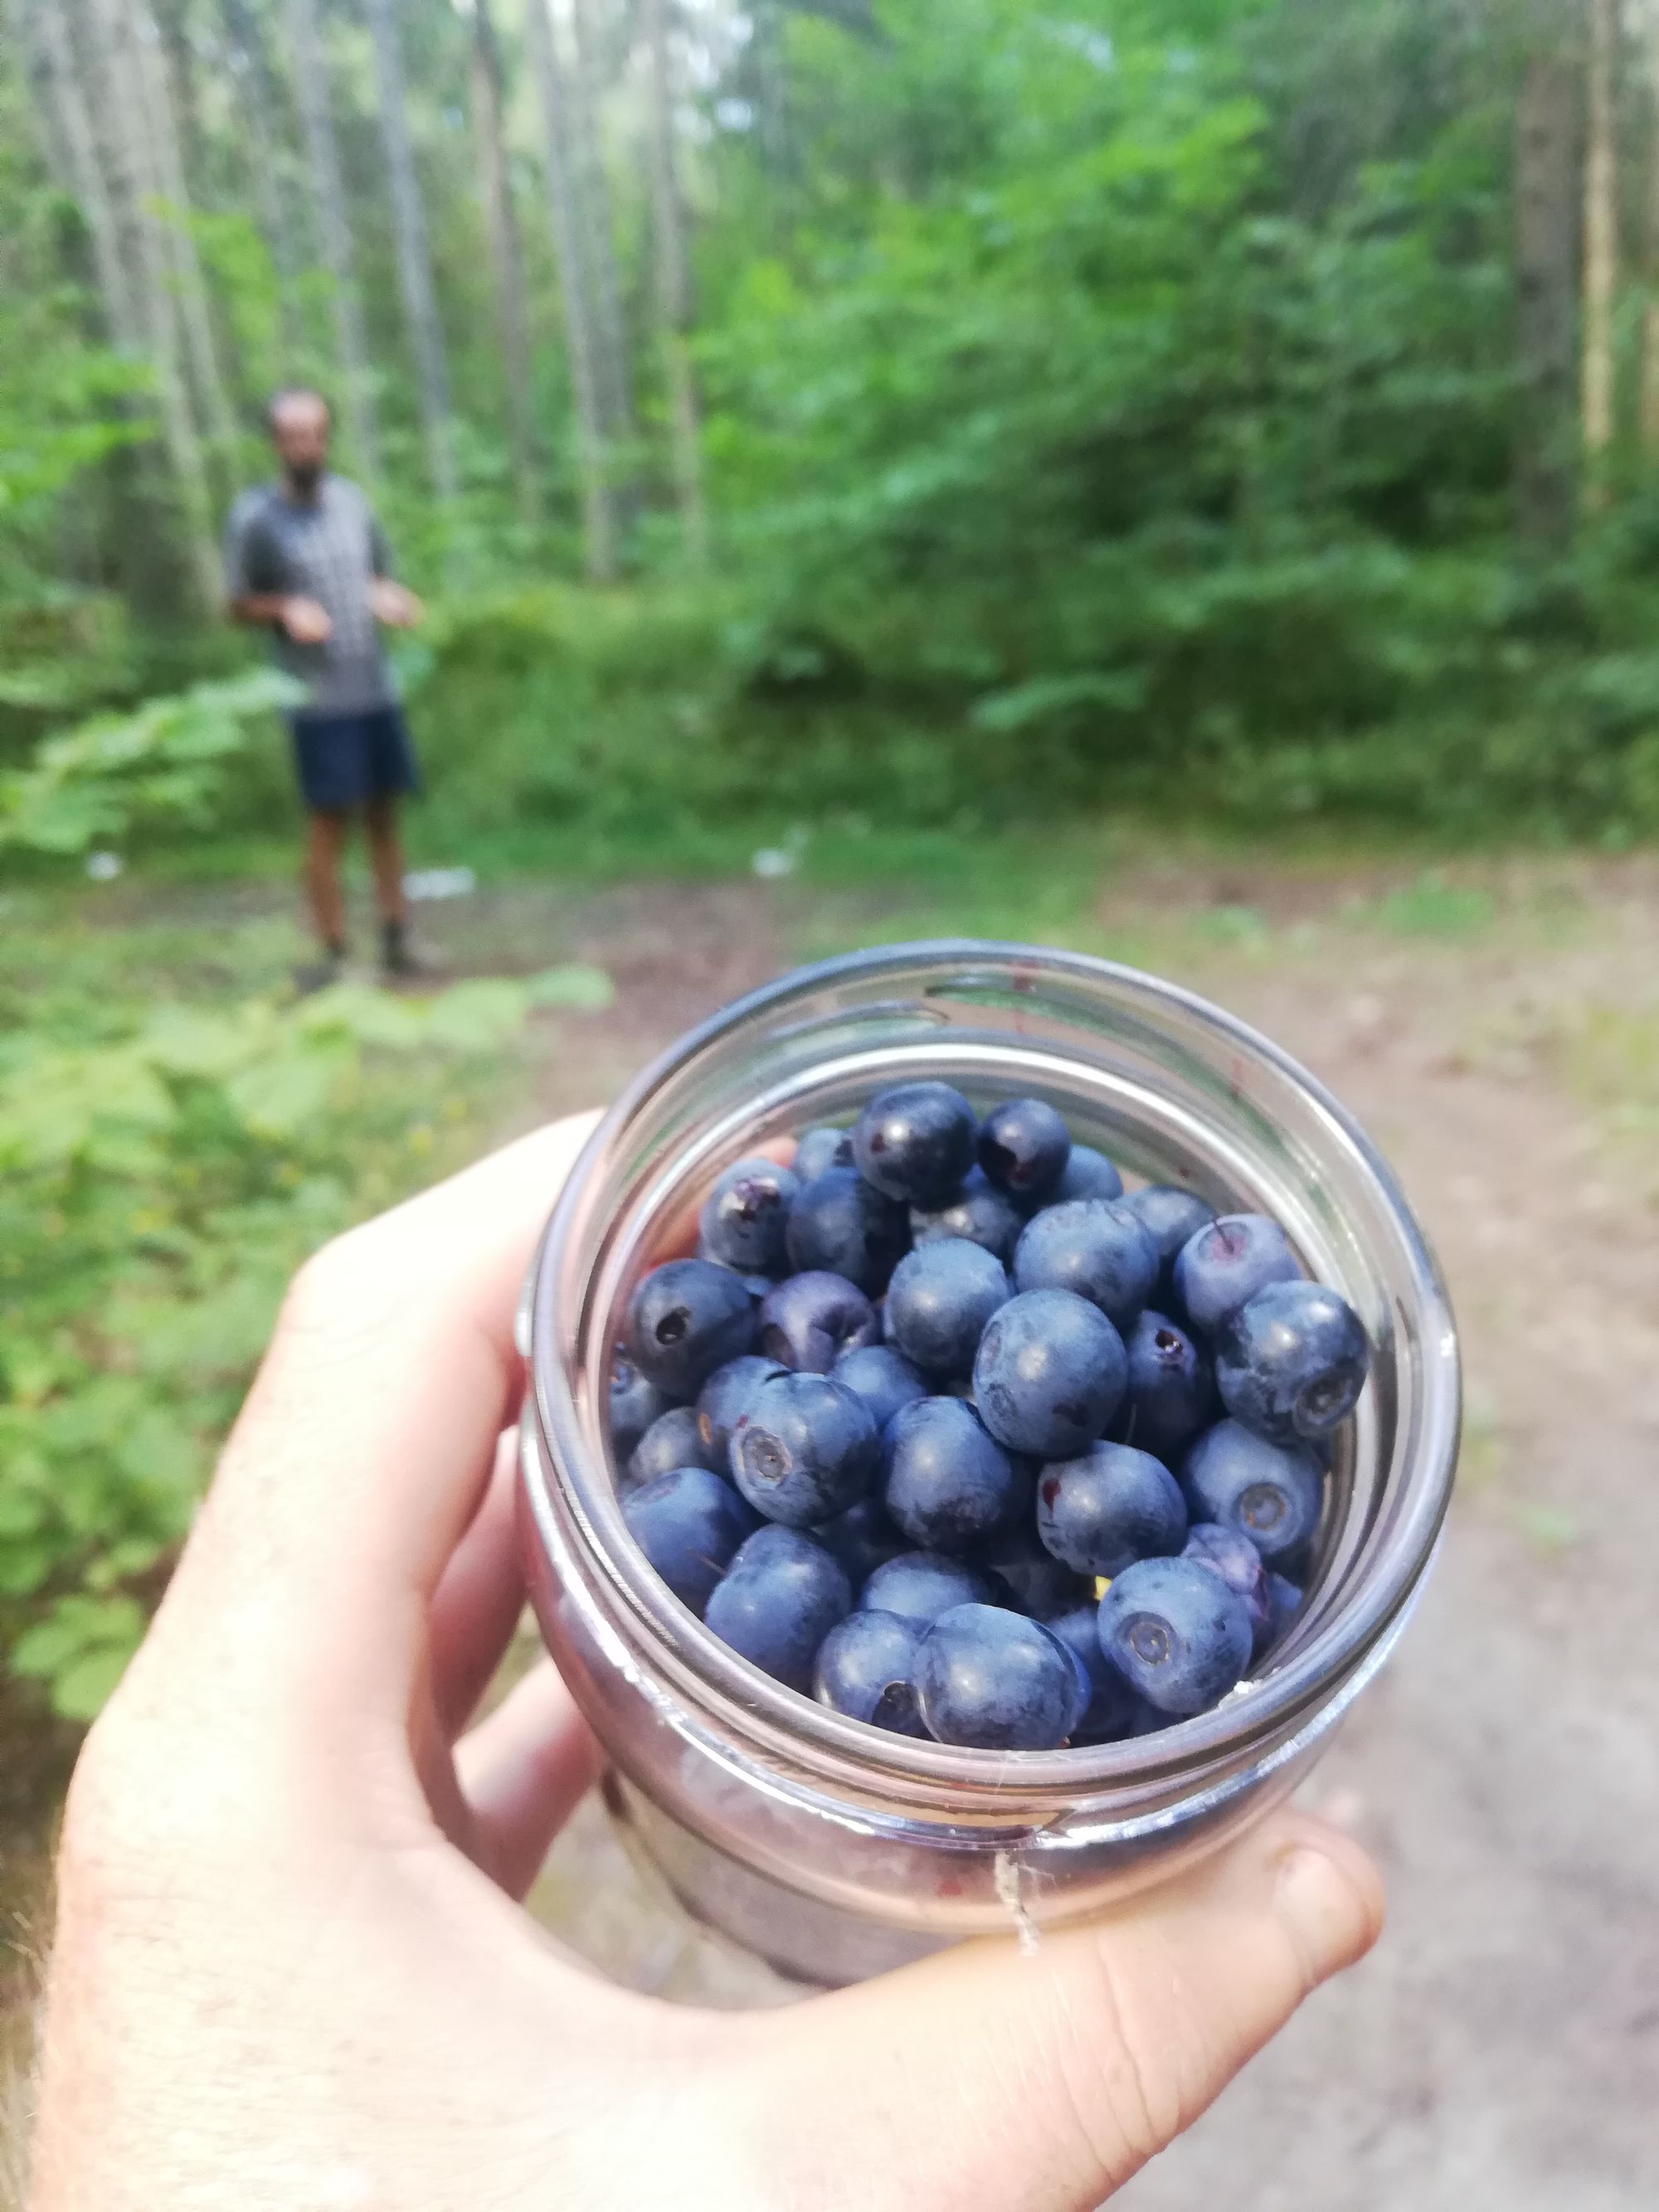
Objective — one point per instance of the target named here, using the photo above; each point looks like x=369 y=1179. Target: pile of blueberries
x=943 y=1427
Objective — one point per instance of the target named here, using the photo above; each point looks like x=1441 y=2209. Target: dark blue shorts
x=345 y=760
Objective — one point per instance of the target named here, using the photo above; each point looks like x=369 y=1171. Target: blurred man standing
x=306 y=558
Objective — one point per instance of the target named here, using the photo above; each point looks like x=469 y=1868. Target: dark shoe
x=313 y=975
x=401 y=962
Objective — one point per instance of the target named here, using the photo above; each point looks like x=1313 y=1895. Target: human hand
x=289 y=1972
x=391 y=604
x=306 y=620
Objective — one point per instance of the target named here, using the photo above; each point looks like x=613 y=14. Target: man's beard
x=305 y=475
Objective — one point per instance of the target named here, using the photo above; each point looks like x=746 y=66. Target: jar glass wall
x=835 y=1850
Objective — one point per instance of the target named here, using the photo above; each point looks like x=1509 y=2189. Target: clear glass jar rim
x=801 y=1733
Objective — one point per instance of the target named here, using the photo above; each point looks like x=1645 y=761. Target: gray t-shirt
x=327 y=549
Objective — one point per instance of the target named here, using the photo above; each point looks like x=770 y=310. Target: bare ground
x=1498 y=1030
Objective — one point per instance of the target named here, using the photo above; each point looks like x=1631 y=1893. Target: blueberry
x=780 y=1598
x=1271 y=1493
x=686 y=1319
x=1176 y=1632
x=1113 y=1705
x=688 y=1524
x=950 y=1487
x=922 y=1585
x=672 y=1440
x=742 y=1222
x=1291 y=1363
x=865 y=1669
x=723 y=1398
x=1225 y=1552
x=1024 y=1146
x=939 y=1301
x=1284 y=1603
x=822 y=1149
x=1170 y=1387
x=993 y=1680
x=862 y=1539
x=807 y=1320
x=804 y=1449
x=1226 y=1263
x=978 y=1210
x=1171 y=1218
x=881 y=1379
x=1089 y=1174
x=634 y=1404
x=915 y=1142
x=1050 y=1372
x=1101 y=1512
x=1096 y=1248
x=840 y=1222
x=1036 y=1583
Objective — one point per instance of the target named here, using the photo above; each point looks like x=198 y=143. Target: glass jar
x=834 y=1850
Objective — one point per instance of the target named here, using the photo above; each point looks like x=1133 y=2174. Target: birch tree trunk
x=128 y=163
x=168 y=169
x=1600 y=236
x=1649 y=397
x=251 y=70
x=333 y=230
x=599 y=506
x=674 y=307
x=599 y=233
x=506 y=253
x=414 y=249
x=1547 y=197
x=43 y=31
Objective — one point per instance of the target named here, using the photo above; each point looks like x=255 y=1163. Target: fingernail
x=1333 y=1918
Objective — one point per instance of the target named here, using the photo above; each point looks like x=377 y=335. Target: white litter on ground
x=440 y=884
x=103 y=867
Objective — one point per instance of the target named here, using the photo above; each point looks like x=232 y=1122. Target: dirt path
x=1498 y=1031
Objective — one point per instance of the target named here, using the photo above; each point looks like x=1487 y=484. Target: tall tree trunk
x=506 y=258
x=599 y=233
x=172 y=21
x=1600 y=236
x=43 y=31
x=598 y=505
x=674 y=306
x=167 y=168
x=135 y=187
x=1547 y=225
x=256 y=107
x=334 y=230
x=1650 y=400
x=413 y=249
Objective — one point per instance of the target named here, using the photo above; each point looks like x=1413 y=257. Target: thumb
x=1039 y=2081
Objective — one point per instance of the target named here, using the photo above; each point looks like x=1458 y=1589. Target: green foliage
x=163 y=1171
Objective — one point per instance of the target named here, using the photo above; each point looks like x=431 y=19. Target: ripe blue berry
x=1089 y=1174
x=939 y=1301
x=688 y=1524
x=866 y=1668
x=1284 y=1603
x=922 y=1585
x=1271 y=1493
x=1050 y=1372
x=915 y=1142
x=804 y=1449
x=1225 y=1552
x=979 y=1211
x=742 y=1222
x=1101 y=1512
x=672 y=1440
x=1171 y=1218
x=1291 y=1363
x=1098 y=1250
x=780 y=1598
x=1176 y=1634
x=1033 y=1581
x=862 y=1539
x=1024 y=1146
x=1226 y=1263
x=634 y=1404
x=686 y=1319
x=881 y=1379
x=843 y=1224
x=950 y=1485
x=822 y=1149
x=1170 y=1387
x=1112 y=1706
x=723 y=1397
x=807 y=1320
x=995 y=1681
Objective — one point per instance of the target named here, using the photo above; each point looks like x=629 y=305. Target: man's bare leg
x=385 y=854
x=324 y=841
